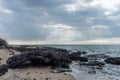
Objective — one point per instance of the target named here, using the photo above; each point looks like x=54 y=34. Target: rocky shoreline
x=58 y=59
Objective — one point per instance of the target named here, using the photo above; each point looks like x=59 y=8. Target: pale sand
x=30 y=72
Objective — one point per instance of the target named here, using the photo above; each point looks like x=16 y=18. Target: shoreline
x=30 y=72
x=59 y=64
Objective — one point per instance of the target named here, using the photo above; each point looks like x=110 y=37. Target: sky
x=60 y=21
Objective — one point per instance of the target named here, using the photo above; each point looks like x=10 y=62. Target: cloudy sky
x=60 y=21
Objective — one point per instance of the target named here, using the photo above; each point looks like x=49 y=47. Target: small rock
x=65 y=74
x=47 y=78
x=41 y=73
x=27 y=73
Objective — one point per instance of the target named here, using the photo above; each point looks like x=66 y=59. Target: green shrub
x=3 y=42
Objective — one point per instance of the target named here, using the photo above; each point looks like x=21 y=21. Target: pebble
x=28 y=73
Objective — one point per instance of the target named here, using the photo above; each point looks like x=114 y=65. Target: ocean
x=109 y=72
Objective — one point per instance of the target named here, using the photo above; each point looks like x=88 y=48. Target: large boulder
x=3 y=69
x=51 y=56
x=114 y=60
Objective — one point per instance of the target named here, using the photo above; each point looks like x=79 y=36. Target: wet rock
x=97 y=56
x=75 y=55
x=3 y=69
x=114 y=60
x=93 y=63
x=83 y=59
x=84 y=53
x=57 y=49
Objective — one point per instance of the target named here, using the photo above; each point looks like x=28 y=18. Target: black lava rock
x=45 y=56
x=93 y=63
x=114 y=60
x=17 y=60
x=84 y=52
x=3 y=69
x=75 y=55
x=83 y=59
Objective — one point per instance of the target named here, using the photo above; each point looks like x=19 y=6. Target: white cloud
x=99 y=27
x=61 y=33
x=70 y=7
x=106 y=4
x=99 y=31
x=7 y=11
x=116 y=17
x=107 y=13
x=58 y=26
x=77 y=5
x=104 y=41
x=4 y=10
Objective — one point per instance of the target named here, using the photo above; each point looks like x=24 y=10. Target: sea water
x=109 y=72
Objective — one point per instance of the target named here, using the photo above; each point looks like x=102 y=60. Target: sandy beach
x=30 y=72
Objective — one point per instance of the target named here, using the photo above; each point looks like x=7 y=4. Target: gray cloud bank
x=60 y=21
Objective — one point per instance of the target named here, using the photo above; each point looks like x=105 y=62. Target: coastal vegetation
x=3 y=42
